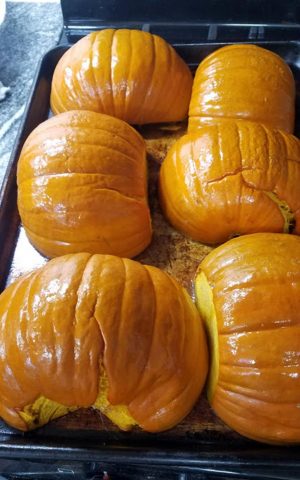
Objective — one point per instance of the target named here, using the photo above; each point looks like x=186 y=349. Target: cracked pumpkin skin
x=97 y=330
x=243 y=82
x=231 y=179
x=82 y=186
x=128 y=74
x=248 y=293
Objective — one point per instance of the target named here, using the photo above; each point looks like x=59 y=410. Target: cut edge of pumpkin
x=286 y=212
x=118 y=414
x=205 y=305
x=43 y=410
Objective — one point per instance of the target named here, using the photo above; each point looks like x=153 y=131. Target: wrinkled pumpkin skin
x=243 y=82
x=231 y=179
x=82 y=186
x=62 y=323
x=128 y=74
x=254 y=284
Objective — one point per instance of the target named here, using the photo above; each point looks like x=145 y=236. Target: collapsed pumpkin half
x=94 y=330
x=82 y=186
x=248 y=293
x=230 y=179
x=243 y=82
x=128 y=74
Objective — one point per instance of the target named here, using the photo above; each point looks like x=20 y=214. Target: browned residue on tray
x=159 y=138
x=170 y=250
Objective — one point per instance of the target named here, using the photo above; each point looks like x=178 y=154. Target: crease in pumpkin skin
x=118 y=414
x=246 y=393
x=230 y=406
x=182 y=316
x=6 y=324
x=76 y=242
x=133 y=160
x=221 y=117
x=140 y=199
x=161 y=381
x=171 y=59
x=82 y=128
x=243 y=330
x=255 y=399
x=150 y=76
x=97 y=95
x=153 y=322
x=88 y=174
x=70 y=91
x=167 y=406
x=122 y=100
x=50 y=254
x=206 y=308
x=105 y=147
x=57 y=100
x=121 y=309
x=157 y=98
x=125 y=101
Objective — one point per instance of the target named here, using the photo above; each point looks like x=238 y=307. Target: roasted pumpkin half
x=128 y=74
x=97 y=330
x=243 y=82
x=248 y=293
x=230 y=179
x=82 y=186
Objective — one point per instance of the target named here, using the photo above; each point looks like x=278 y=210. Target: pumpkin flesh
x=243 y=82
x=82 y=186
x=255 y=287
x=80 y=314
x=231 y=179
x=129 y=74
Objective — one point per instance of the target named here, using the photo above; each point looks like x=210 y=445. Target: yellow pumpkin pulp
x=43 y=410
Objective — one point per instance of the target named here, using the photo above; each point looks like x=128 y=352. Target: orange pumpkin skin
x=60 y=323
x=255 y=282
x=225 y=180
x=128 y=74
x=82 y=186
x=243 y=82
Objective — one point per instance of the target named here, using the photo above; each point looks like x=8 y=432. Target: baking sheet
x=169 y=250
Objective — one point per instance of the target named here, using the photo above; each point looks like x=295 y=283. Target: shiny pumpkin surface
x=230 y=179
x=60 y=324
x=255 y=287
x=244 y=82
x=128 y=74
x=82 y=186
